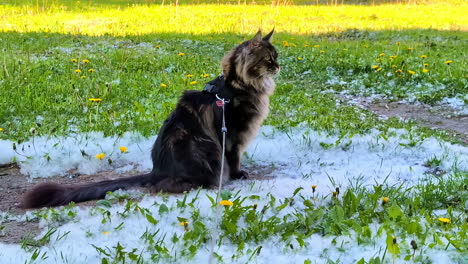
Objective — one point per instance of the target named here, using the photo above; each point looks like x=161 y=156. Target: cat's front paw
x=243 y=175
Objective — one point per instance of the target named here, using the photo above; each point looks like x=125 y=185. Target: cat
x=187 y=153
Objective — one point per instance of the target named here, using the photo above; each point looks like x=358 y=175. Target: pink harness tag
x=219 y=103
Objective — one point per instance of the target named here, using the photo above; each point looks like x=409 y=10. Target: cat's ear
x=258 y=36
x=269 y=37
x=255 y=42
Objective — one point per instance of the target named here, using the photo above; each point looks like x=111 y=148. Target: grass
x=98 y=20
x=45 y=73
x=57 y=55
x=321 y=47
x=392 y=214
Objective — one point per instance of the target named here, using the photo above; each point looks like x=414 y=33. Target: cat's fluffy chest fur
x=253 y=112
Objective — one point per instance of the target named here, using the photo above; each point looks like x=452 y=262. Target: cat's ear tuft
x=269 y=36
x=258 y=36
x=255 y=42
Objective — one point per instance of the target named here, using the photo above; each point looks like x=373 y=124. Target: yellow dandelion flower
x=194 y=82
x=1 y=129
x=77 y=70
x=313 y=188
x=375 y=66
x=393 y=57
x=163 y=85
x=307 y=45
x=205 y=75
x=181 y=54
x=95 y=99
x=285 y=43
x=425 y=70
x=123 y=149
x=398 y=43
x=425 y=64
x=398 y=71
x=379 y=69
x=85 y=61
x=385 y=200
x=83 y=77
x=299 y=58
x=105 y=232
x=444 y=220
x=91 y=70
x=423 y=56
x=322 y=51
x=293 y=45
x=184 y=223
x=410 y=49
x=411 y=72
x=448 y=62
x=345 y=49
x=226 y=203
x=189 y=75
x=100 y=156
x=157 y=46
x=316 y=46
x=74 y=60
x=381 y=54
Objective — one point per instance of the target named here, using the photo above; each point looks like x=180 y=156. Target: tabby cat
x=187 y=152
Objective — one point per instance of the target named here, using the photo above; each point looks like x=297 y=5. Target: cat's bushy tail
x=54 y=194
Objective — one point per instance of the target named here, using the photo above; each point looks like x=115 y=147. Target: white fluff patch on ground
x=299 y=158
x=457 y=103
x=299 y=154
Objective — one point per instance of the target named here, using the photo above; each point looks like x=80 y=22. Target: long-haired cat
x=187 y=153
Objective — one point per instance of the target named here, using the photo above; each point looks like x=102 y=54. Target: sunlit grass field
x=70 y=67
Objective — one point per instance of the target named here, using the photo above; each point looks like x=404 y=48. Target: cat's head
x=253 y=60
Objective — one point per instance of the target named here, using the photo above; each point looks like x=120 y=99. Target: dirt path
x=13 y=185
x=438 y=117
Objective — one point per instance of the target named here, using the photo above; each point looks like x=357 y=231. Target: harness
x=223 y=96
x=218 y=86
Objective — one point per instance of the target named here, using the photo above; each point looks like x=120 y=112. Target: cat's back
x=195 y=99
x=192 y=112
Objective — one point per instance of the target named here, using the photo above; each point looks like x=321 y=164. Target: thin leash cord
x=220 y=184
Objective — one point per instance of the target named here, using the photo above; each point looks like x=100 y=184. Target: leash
x=220 y=103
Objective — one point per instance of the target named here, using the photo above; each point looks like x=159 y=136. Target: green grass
x=134 y=50
x=360 y=215
x=43 y=90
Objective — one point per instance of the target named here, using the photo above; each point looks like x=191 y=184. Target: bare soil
x=13 y=185
x=438 y=117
